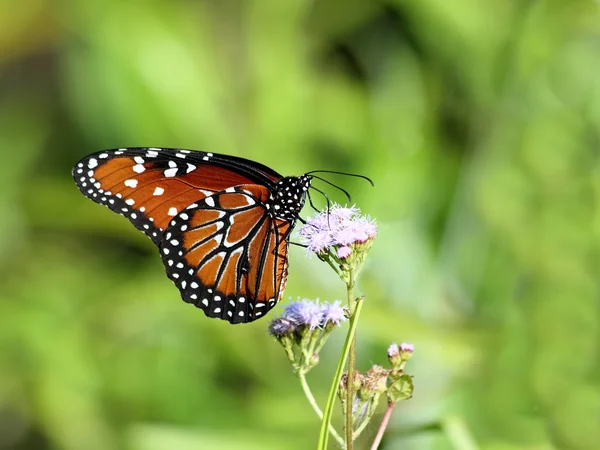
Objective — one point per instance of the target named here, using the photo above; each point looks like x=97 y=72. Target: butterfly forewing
x=227 y=255
x=150 y=186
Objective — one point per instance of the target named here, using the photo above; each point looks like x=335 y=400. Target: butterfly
x=222 y=223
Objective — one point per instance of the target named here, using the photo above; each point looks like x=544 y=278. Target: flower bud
x=344 y=252
x=394 y=355
x=399 y=354
x=406 y=351
x=282 y=327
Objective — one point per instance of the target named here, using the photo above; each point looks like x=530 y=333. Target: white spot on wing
x=139 y=168
x=158 y=191
x=139 y=160
x=172 y=211
x=171 y=172
x=210 y=201
x=190 y=168
x=92 y=163
x=131 y=183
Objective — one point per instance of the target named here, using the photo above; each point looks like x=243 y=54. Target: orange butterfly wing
x=228 y=255
x=150 y=186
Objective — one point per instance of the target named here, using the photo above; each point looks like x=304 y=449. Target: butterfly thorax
x=288 y=196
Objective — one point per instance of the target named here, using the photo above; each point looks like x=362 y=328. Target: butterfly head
x=288 y=196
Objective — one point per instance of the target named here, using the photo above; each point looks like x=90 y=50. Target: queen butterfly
x=222 y=223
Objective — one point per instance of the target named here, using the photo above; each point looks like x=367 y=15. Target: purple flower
x=319 y=242
x=393 y=351
x=333 y=313
x=371 y=228
x=341 y=226
x=345 y=236
x=408 y=348
x=344 y=252
x=344 y=212
x=297 y=311
x=280 y=327
x=304 y=312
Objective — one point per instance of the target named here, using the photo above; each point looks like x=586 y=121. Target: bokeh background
x=478 y=121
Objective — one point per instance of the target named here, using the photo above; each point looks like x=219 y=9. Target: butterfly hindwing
x=227 y=254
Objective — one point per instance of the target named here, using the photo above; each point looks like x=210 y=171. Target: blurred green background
x=478 y=121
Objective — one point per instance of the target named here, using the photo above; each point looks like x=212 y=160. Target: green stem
x=315 y=406
x=323 y=434
x=351 y=363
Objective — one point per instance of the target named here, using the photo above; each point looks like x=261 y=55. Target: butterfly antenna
x=335 y=186
x=326 y=198
x=342 y=173
x=310 y=202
